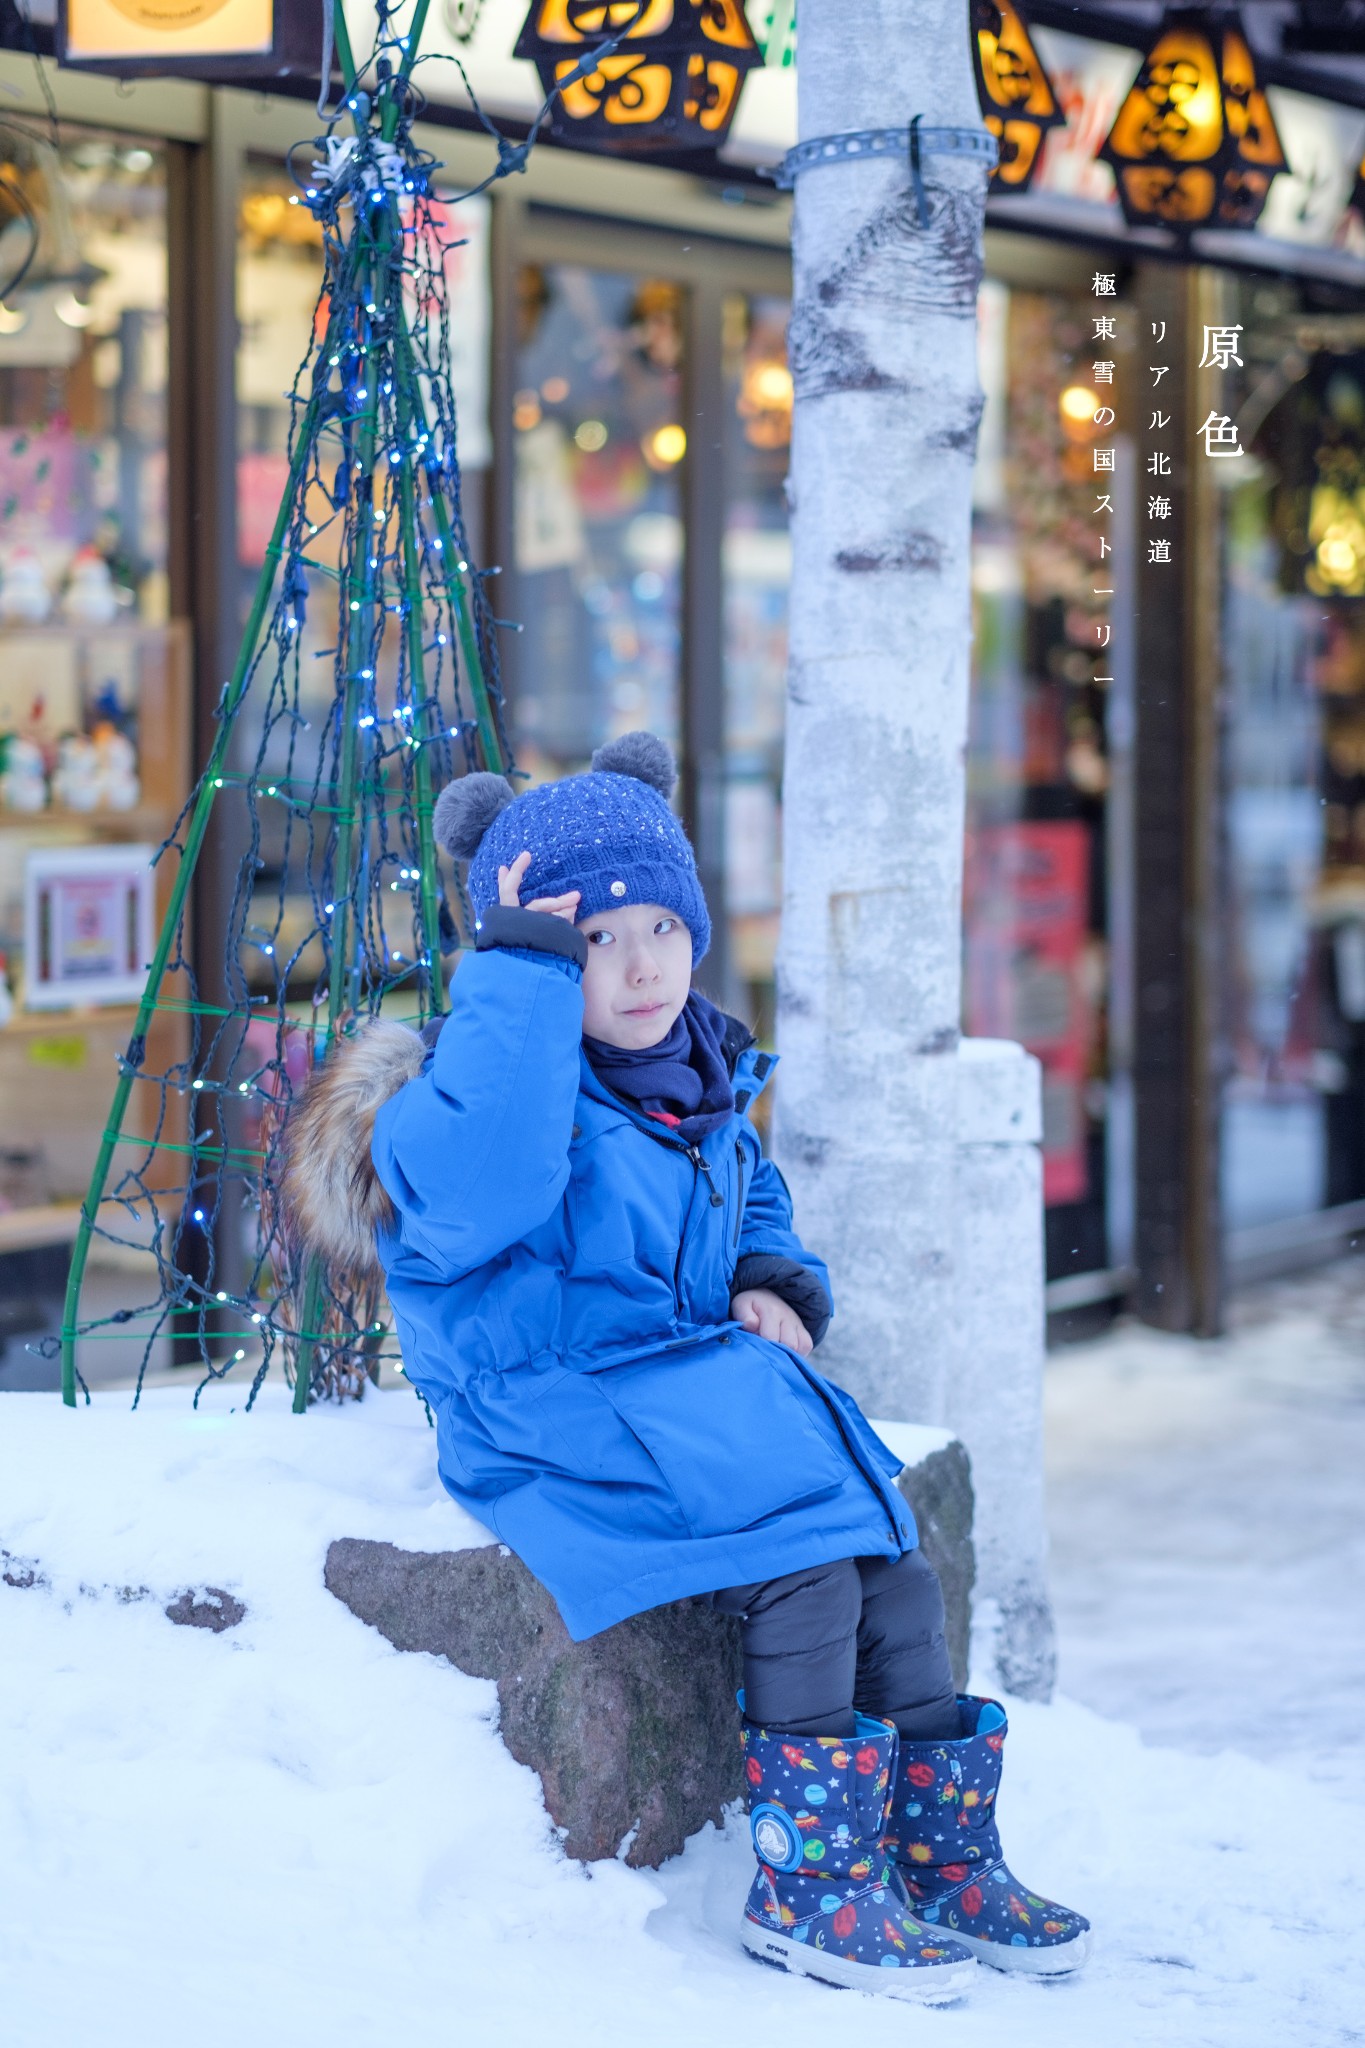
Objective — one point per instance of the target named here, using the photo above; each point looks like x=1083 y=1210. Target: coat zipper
x=700 y=1166
x=698 y=1162
x=739 y=1199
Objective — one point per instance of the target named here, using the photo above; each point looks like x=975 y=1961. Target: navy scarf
x=683 y=1079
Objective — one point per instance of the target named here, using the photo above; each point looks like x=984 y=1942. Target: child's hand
x=759 y=1309
x=509 y=893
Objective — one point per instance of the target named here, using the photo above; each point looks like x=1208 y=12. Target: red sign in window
x=1027 y=891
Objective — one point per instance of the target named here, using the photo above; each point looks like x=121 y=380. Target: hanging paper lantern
x=1195 y=143
x=671 y=81
x=1018 y=104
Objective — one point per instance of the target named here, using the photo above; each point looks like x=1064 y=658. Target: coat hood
x=333 y=1198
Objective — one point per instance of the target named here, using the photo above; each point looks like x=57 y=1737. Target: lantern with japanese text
x=1018 y=104
x=669 y=76
x=1195 y=143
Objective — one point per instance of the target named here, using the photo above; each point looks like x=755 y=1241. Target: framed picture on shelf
x=88 y=925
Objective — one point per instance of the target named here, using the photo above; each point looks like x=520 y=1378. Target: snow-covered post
x=883 y=353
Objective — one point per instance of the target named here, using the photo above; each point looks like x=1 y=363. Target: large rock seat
x=633 y=1734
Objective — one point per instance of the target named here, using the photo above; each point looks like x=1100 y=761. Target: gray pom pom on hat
x=466 y=808
x=641 y=754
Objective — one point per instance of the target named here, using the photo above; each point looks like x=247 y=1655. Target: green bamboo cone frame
x=360 y=588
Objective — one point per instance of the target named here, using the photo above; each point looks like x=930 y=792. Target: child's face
x=638 y=974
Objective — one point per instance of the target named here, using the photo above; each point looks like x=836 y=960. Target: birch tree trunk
x=883 y=354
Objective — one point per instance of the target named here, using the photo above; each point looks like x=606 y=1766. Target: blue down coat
x=560 y=1270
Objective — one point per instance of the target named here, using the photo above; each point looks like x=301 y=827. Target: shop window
x=94 y=686
x=1040 y=915
x=598 y=440
x=82 y=376
x=1294 y=751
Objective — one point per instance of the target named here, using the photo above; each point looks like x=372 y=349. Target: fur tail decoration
x=332 y=1197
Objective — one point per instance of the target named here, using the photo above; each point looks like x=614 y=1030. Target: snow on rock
x=288 y=1831
x=913 y=1442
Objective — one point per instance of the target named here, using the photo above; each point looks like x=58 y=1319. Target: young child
x=598 y=1289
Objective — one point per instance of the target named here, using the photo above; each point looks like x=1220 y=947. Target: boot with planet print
x=824 y=1902
x=942 y=1833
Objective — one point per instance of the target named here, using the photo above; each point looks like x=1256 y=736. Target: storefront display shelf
x=125 y=684
x=58 y=1064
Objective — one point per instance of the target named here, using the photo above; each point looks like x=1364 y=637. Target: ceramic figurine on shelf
x=118 y=783
x=90 y=598
x=76 y=781
x=23 y=785
x=25 y=599
x=107 y=708
x=39 y=730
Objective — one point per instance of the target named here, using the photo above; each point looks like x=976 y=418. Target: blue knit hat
x=609 y=834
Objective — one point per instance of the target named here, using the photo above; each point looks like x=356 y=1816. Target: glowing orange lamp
x=1017 y=101
x=1195 y=143
x=671 y=81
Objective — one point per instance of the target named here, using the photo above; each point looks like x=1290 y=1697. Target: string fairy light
x=356 y=914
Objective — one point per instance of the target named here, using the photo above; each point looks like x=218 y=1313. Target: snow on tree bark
x=883 y=356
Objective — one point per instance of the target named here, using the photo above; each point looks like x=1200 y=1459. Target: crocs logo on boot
x=776 y=1841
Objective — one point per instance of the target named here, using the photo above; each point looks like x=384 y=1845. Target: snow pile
x=290 y=1832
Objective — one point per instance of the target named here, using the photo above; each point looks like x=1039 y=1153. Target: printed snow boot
x=942 y=1834
x=824 y=1902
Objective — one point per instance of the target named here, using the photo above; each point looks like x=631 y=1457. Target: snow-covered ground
x=1207 y=1504
x=290 y=1832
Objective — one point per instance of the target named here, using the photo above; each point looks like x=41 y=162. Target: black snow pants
x=864 y=1633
